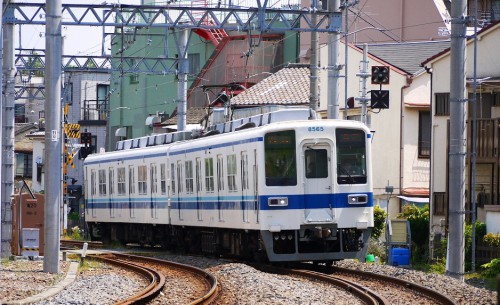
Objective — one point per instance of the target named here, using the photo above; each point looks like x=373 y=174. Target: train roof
x=164 y=143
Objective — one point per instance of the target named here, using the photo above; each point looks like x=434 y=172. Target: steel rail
x=209 y=279
x=156 y=279
x=364 y=294
x=432 y=294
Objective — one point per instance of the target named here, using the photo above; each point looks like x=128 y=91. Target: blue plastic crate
x=400 y=256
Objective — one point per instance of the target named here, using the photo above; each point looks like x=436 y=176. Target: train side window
x=172 y=178
x=244 y=171
x=142 y=179
x=280 y=158
x=131 y=180
x=154 y=178
x=220 y=172
x=231 y=173
x=111 y=181
x=179 y=177
x=316 y=161
x=189 y=177
x=92 y=183
x=121 y=180
x=209 y=174
x=102 y=182
x=198 y=175
x=163 y=179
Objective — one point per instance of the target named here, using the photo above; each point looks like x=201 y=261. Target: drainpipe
x=431 y=172
x=401 y=135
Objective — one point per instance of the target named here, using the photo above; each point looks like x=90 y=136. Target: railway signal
x=380 y=75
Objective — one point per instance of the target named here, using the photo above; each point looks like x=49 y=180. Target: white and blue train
x=293 y=190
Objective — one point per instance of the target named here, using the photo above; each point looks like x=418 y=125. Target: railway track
x=204 y=287
x=365 y=295
x=78 y=244
x=370 y=288
x=156 y=279
x=413 y=288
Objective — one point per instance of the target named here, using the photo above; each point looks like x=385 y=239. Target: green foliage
x=492 y=240
x=419 y=227
x=379 y=216
x=73 y=216
x=492 y=269
x=75 y=233
x=480 y=232
x=377 y=248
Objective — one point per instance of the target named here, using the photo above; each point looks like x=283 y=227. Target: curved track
x=155 y=278
x=366 y=295
x=210 y=282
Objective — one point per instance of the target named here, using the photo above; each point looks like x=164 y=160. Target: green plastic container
x=370 y=258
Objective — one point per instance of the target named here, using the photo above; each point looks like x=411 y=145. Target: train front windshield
x=351 y=156
x=281 y=162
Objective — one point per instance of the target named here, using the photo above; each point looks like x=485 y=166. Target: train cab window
x=142 y=179
x=163 y=179
x=121 y=180
x=351 y=156
x=102 y=182
x=231 y=173
x=281 y=161
x=316 y=161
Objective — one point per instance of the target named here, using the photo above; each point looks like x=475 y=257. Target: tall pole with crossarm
x=53 y=137
x=458 y=141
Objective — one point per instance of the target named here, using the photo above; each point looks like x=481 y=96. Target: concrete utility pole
x=314 y=96
x=7 y=181
x=458 y=141
x=53 y=138
x=2 y=207
x=333 y=67
x=364 y=74
x=182 y=85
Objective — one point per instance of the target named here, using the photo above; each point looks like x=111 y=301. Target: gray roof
x=407 y=56
x=288 y=86
x=194 y=115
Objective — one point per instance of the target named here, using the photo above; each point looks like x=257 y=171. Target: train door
x=255 y=184
x=111 y=201
x=198 y=186
x=220 y=186
x=180 y=189
x=318 y=181
x=153 y=172
x=246 y=203
x=92 y=192
x=131 y=191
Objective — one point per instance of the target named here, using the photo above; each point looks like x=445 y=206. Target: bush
x=377 y=248
x=379 y=216
x=76 y=233
x=419 y=228
x=492 y=240
x=492 y=268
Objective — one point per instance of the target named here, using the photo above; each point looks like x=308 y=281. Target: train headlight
x=277 y=201
x=357 y=199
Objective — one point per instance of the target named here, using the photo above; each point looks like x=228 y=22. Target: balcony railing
x=487 y=139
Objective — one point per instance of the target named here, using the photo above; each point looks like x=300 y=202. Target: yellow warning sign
x=72 y=130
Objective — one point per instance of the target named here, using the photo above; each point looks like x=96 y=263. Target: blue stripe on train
x=295 y=202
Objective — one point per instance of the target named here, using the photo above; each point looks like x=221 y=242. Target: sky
x=77 y=40
x=86 y=40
